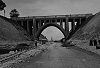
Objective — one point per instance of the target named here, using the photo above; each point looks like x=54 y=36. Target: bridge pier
x=34 y=27
x=50 y=20
x=61 y=24
x=28 y=26
x=55 y=20
x=42 y=21
x=25 y=25
x=73 y=25
x=80 y=21
x=77 y=24
x=39 y=23
x=22 y=23
x=67 y=26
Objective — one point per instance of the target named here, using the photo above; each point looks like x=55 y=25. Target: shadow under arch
x=50 y=24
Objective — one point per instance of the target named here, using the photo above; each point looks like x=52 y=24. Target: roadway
x=62 y=57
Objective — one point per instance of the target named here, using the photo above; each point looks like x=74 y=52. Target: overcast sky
x=52 y=7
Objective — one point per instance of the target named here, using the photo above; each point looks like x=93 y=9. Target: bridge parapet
x=55 y=16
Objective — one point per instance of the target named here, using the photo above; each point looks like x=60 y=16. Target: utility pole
x=4 y=12
x=51 y=39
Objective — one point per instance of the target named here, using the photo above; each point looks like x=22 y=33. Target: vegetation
x=14 y=13
x=2 y=5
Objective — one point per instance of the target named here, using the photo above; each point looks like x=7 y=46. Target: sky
x=52 y=7
x=53 y=32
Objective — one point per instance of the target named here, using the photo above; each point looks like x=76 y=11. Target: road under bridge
x=62 y=57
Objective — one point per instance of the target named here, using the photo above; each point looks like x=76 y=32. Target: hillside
x=90 y=31
x=11 y=31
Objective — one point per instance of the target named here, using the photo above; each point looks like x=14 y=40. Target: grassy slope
x=8 y=32
x=90 y=31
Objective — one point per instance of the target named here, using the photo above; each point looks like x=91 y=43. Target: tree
x=14 y=13
x=2 y=5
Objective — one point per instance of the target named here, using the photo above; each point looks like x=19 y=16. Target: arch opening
x=52 y=33
x=48 y=25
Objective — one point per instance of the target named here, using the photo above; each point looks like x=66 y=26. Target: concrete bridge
x=34 y=25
